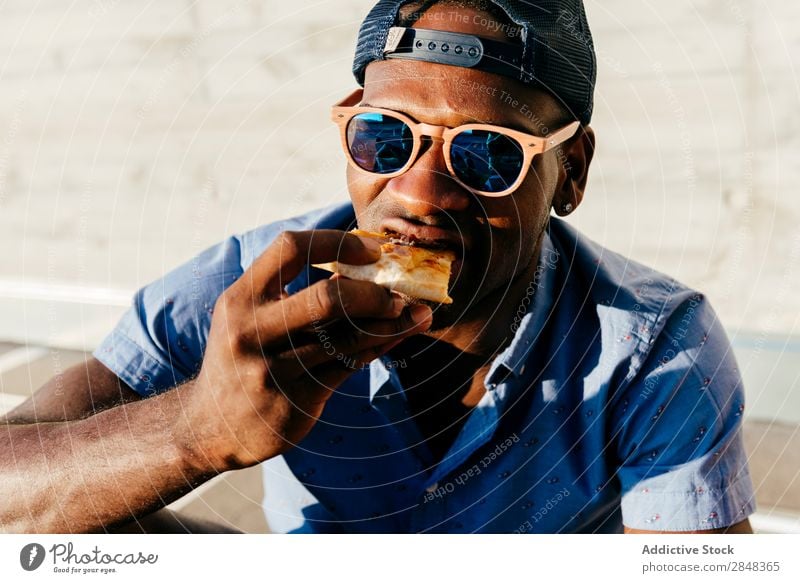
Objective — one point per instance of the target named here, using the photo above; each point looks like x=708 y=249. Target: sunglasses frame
x=348 y=108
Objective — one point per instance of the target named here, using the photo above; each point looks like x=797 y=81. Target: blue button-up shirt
x=618 y=401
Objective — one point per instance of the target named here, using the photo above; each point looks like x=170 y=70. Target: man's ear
x=574 y=158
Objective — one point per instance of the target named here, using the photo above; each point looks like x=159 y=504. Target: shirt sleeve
x=677 y=430
x=160 y=341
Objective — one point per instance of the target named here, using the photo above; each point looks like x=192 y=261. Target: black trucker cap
x=556 y=52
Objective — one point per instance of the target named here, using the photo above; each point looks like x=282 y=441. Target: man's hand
x=273 y=361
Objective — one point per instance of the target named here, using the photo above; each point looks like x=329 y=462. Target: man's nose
x=427 y=187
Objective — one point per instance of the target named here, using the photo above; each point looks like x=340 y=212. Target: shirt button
x=432 y=488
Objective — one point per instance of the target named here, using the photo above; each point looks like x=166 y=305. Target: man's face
x=494 y=238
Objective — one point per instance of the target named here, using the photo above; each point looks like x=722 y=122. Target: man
x=566 y=389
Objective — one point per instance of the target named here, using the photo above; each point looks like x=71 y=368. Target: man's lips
x=426 y=236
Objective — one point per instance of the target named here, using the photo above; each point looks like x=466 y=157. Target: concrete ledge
x=774 y=458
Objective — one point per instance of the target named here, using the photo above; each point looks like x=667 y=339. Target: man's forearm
x=82 y=476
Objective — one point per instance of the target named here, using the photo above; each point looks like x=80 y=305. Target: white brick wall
x=132 y=135
x=697 y=101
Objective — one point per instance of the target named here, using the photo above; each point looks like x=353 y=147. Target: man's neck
x=449 y=365
x=486 y=328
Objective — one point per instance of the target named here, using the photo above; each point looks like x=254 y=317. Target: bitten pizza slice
x=405 y=268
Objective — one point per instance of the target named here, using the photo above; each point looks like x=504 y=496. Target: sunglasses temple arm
x=338 y=111
x=561 y=136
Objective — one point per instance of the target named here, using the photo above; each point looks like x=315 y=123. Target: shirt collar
x=383 y=379
x=530 y=320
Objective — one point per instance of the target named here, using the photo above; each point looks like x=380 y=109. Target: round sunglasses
x=485 y=159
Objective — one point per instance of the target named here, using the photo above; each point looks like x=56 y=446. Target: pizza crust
x=414 y=271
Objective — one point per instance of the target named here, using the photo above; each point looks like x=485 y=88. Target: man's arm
x=64 y=468
x=80 y=391
x=742 y=527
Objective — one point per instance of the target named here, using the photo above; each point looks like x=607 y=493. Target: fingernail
x=397 y=306
x=420 y=313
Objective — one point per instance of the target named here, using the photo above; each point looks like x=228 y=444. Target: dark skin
x=440 y=414
x=86 y=454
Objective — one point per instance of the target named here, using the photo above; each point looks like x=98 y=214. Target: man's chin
x=465 y=300
x=445 y=316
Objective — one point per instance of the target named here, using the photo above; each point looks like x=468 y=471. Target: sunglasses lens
x=486 y=161
x=379 y=143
